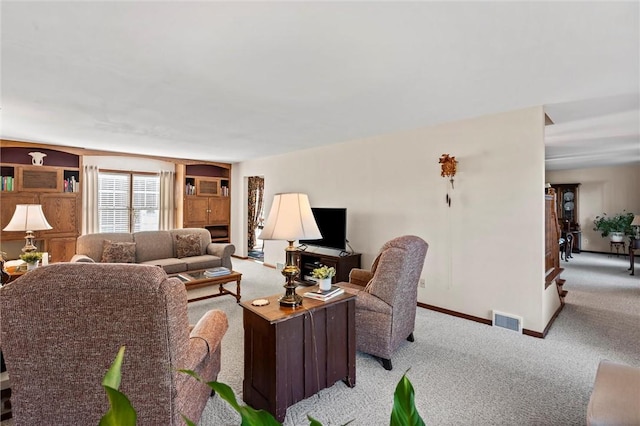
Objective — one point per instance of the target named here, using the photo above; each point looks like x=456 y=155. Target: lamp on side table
x=290 y=219
x=28 y=218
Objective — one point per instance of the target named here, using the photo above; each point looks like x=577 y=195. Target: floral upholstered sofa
x=177 y=250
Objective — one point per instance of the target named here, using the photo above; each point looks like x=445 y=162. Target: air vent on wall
x=508 y=321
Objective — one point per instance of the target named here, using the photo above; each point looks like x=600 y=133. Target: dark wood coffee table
x=197 y=279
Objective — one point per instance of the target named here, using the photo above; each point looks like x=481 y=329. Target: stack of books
x=217 y=272
x=324 y=295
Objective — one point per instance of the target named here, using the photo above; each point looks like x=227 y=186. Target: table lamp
x=290 y=219
x=29 y=218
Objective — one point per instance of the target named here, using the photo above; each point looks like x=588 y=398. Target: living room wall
x=602 y=190
x=486 y=251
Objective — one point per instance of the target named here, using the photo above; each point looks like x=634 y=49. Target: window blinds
x=128 y=202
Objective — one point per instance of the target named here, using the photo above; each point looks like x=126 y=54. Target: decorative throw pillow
x=118 y=252
x=188 y=245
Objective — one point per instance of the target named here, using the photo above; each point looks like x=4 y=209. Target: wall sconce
x=448 y=166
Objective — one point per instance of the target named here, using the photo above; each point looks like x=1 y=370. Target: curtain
x=256 y=191
x=166 y=199
x=90 y=200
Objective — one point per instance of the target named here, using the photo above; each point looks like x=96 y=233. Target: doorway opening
x=255 y=218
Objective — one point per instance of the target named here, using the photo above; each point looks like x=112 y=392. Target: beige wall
x=602 y=190
x=486 y=250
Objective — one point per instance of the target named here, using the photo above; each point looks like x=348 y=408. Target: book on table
x=324 y=294
x=217 y=272
x=185 y=278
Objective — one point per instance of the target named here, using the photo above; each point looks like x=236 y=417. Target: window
x=128 y=202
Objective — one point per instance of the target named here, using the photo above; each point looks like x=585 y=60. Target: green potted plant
x=32 y=258
x=324 y=274
x=615 y=227
x=122 y=413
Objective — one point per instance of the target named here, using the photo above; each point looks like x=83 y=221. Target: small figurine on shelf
x=37 y=158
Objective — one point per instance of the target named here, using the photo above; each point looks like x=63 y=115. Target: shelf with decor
x=49 y=177
x=206 y=201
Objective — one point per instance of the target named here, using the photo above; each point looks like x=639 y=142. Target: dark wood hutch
x=567 y=208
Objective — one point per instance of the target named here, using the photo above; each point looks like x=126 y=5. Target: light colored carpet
x=466 y=373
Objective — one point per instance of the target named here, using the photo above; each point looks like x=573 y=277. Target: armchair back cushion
x=62 y=325
x=396 y=268
x=386 y=306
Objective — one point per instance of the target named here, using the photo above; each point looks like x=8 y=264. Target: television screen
x=332 y=223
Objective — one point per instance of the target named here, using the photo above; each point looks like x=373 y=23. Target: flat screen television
x=332 y=223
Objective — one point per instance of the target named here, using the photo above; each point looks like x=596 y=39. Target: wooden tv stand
x=308 y=261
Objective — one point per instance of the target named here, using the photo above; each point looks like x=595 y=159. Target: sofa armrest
x=210 y=329
x=82 y=258
x=223 y=251
x=614 y=398
x=360 y=277
x=203 y=353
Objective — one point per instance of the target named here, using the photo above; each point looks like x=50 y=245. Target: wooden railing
x=552 y=245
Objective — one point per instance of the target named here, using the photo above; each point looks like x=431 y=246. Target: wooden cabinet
x=9 y=202
x=567 y=208
x=291 y=353
x=206 y=187
x=201 y=195
x=307 y=262
x=204 y=211
x=567 y=204
x=55 y=185
x=206 y=201
x=40 y=179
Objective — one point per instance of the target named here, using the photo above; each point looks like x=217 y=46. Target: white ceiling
x=230 y=81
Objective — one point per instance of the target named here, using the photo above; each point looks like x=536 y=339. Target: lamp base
x=290 y=271
x=290 y=300
x=28 y=244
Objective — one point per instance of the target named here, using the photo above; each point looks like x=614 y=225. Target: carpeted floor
x=466 y=373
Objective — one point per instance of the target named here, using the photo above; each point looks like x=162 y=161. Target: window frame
x=131 y=210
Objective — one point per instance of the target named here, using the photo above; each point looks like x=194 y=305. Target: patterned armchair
x=387 y=297
x=61 y=326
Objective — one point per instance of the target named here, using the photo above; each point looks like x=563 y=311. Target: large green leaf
x=250 y=416
x=404 y=411
x=121 y=412
x=314 y=422
x=112 y=378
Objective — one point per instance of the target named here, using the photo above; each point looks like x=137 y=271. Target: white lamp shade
x=290 y=219
x=28 y=217
x=636 y=220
